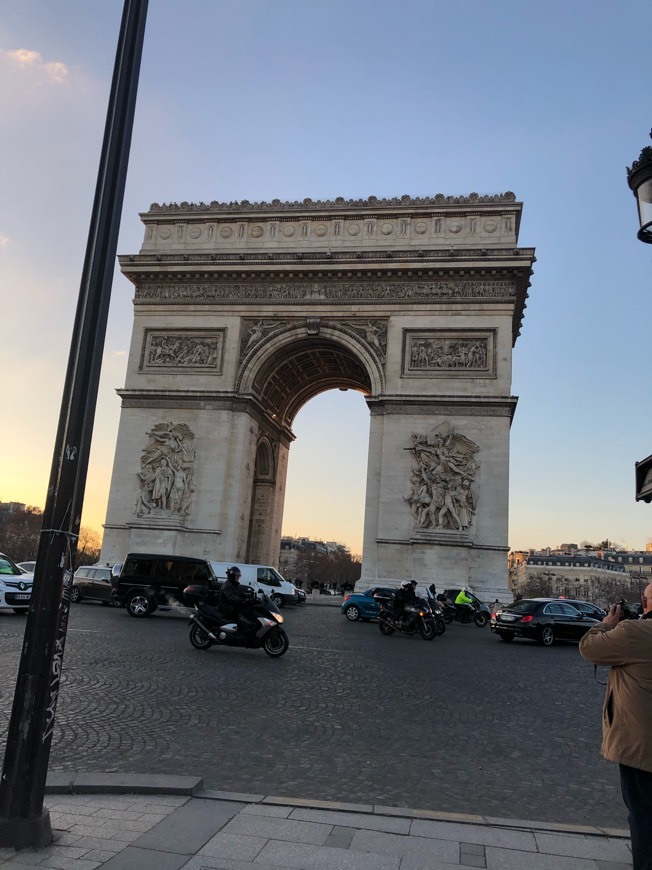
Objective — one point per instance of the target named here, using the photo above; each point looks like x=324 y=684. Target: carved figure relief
x=197 y=350
x=254 y=331
x=374 y=333
x=165 y=478
x=440 y=352
x=442 y=480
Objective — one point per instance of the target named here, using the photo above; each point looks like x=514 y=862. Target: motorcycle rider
x=231 y=600
x=404 y=596
x=464 y=604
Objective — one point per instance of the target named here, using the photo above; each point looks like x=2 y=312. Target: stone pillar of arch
x=243 y=312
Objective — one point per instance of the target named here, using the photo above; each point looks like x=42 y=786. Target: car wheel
x=547 y=636
x=276 y=643
x=199 y=638
x=115 y=600
x=139 y=605
x=75 y=594
x=508 y=638
x=352 y=613
x=278 y=600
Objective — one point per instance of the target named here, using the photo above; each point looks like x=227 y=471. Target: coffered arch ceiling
x=299 y=371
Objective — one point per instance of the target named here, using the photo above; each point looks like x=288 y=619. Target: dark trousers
x=636 y=787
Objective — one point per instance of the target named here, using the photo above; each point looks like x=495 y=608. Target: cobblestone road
x=464 y=723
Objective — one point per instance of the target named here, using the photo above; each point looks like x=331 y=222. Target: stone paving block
x=353 y=820
x=208 y=863
x=340 y=837
x=97 y=843
x=422 y=848
x=468 y=860
x=513 y=859
x=267 y=810
x=325 y=805
x=64 y=838
x=584 y=847
x=140 y=825
x=29 y=857
x=73 y=807
x=99 y=855
x=133 y=858
x=55 y=863
x=474 y=834
x=117 y=815
x=304 y=857
x=278 y=829
x=471 y=849
x=225 y=845
x=613 y=865
x=189 y=827
x=103 y=832
x=215 y=794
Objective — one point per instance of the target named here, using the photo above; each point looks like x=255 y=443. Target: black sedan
x=541 y=619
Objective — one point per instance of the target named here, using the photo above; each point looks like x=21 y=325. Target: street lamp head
x=639 y=178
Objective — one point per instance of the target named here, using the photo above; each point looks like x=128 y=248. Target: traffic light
x=644 y=480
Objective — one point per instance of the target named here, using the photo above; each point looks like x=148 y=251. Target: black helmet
x=233 y=573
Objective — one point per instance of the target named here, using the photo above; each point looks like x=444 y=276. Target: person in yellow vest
x=462 y=601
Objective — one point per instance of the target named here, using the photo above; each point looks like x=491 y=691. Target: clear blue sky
x=257 y=100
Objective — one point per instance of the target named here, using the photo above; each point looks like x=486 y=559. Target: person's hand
x=612 y=619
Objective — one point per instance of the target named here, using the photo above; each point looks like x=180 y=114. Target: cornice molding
x=339 y=203
x=453 y=406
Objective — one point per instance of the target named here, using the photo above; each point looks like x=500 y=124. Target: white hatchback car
x=15 y=586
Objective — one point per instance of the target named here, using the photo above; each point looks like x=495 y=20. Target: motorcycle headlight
x=277 y=617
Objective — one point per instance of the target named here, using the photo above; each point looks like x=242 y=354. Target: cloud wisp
x=54 y=72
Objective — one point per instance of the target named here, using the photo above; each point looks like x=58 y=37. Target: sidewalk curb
x=192 y=786
x=121 y=783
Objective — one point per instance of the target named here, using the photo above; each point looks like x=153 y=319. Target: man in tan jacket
x=627 y=714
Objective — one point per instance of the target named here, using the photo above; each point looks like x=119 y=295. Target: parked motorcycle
x=416 y=618
x=259 y=623
x=477 y=613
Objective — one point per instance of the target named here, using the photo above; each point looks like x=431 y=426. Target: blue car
x=363 y=605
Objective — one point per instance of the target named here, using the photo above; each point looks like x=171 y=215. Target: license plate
x=22 y=597
x=507 y=617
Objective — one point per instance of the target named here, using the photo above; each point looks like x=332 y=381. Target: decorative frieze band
x=388 y=292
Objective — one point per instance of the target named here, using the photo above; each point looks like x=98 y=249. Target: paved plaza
x=463 y=724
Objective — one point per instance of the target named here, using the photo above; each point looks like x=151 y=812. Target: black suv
x=147 y=581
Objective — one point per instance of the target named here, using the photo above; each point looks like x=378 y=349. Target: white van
x=263 y=577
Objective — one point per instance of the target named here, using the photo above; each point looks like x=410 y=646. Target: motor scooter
x=258 y=624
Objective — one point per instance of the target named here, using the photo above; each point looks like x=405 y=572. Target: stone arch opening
x=303 y=370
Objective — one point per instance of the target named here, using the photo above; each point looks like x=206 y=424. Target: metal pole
x=23 y=819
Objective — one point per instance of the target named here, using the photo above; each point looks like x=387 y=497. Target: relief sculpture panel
x=191 y=350
x=166 y=475
x=445 y=353
x=442 y=480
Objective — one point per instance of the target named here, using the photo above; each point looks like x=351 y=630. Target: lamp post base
x=22 y=833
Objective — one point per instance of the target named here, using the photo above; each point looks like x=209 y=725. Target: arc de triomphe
x=245 y=311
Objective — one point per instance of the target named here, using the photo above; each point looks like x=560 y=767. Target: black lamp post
x=639 y=178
